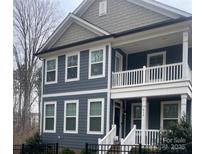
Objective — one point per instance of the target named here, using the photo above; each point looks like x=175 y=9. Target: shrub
x=178 y=138
x=82 y=151
x=35 y=139
x=67 y=151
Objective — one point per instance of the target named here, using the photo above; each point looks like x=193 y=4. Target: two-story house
x=125 y=63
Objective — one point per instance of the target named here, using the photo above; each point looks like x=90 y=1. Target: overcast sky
x=70 y=5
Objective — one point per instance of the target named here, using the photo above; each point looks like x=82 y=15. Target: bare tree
x=34 y=21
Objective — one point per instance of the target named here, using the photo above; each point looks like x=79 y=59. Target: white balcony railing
x=107 y=140
x=147 y=75
x=147 y=137
x=129 y=140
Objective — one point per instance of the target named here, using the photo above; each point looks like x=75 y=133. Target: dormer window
x=102 y=7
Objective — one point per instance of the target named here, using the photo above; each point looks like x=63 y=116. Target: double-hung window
x=51 y=71
x=49 y=117
x=169 y=114
x=97 y=63
x=71 y=111
x=95 y=116
x=72 y=67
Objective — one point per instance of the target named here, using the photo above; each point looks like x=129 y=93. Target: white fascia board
x=89 y=26
x=163 y=9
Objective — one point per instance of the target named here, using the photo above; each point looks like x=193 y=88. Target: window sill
x=96 y=77
x=53 y=82
x=71 y=80
x=70 y=132
x=49 y=131
x=95 y=133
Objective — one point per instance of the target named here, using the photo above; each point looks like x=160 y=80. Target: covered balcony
x=152 y=63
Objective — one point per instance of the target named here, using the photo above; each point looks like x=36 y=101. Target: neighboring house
x=122 y=62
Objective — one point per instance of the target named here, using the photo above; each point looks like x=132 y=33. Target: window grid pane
x=97 y=56
x=72 y=61
x=51 y=65
x=72 y=72
x=95 y=108
x=71 y=109
x=49 y=124
x=156 y=60
x=50 y=109
x=95 y=123
x=71 y=123
x=96 y=69
x=170 y=111
x=51 y=76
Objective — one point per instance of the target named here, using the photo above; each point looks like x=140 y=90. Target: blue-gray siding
x=76 y=141
x=83 y=84
x=173 y=55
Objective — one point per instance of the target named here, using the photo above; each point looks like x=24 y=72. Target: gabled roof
x=83 y=7
x=161 y=8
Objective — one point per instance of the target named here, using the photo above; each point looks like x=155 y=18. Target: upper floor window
x=51 y=71
x=95 y=116
x=102 y=7
x=71 y=116
x=156 y=59
x=50 y=117
x=72 y=67
x=97 y=63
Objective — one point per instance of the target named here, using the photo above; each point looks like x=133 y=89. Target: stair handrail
x=109 y=137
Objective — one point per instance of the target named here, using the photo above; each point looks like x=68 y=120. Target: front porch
x=141 y=120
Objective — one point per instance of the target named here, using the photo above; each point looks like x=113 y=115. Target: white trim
x=56 y=71
x=118 y=55
x=132 y=112
x=162 y=109
x=159 y=89
x=161 y=8
x=108 y=87
x=163 y=53
x=104 y=61
x=101 y=132
x=55 y=109
x=89 y=26
x=78 y=67
x=75 y=93
x=41 y=103
x=77 y=116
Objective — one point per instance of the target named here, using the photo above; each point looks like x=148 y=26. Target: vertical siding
x=121 y=15
x=73 y=34
x=76 y=141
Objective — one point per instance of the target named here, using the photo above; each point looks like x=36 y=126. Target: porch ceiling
x=154 y=43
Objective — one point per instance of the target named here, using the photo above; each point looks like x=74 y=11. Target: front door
x=117 y=119
x=136 y=115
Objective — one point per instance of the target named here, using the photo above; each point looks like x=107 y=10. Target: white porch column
x=183 y=105
x=185 y=54
x=144 y=119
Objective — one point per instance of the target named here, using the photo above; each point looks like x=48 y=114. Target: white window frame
x=132 y=112
x=56 y=71
x=77 y=116
x=162 y=112
x=101 y=132
x=118 y=55
x=102 y=12
x=163 y=53
x=44 y=119
x=78 y=67
x=104 y=61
